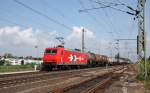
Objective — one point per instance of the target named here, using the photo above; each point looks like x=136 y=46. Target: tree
x=8 y=55
x=2 y=62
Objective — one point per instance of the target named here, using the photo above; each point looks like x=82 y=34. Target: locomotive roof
x=74 y=50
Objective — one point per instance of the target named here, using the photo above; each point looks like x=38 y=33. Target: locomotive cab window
x=50 y=51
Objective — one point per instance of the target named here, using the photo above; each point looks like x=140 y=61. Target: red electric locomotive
x=59 y=56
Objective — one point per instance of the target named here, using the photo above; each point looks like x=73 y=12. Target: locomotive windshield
x=51 y=51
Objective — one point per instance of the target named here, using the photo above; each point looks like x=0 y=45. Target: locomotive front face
x=50 y=56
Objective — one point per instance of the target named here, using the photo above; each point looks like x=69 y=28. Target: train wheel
x=64 y=67
x=78 y=67
x=46 y=67
x=43 y=67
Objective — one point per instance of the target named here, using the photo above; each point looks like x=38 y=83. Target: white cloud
x=15 y=36
x=22 y=41
x=73 y=40
x=77 y=33
x=91 y=42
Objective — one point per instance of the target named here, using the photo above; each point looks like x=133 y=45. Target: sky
x=21 y=28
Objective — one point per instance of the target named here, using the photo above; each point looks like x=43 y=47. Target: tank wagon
x=59 y=57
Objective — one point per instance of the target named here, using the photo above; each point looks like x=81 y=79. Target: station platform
x=5 y=73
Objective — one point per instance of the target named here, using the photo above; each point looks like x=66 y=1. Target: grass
x=141 y=70
x=141 y=73
x=147 y=84
x=14 y=68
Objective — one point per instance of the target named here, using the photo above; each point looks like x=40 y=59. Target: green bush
x=141 y=70
x=13 y=68
x=2 y=62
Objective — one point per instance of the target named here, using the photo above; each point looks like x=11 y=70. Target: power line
x=94 y=17
x=111 y=6
x=105 y=6
x=105 y=21
x=91 y=16
x=96 y=20
x=120 y=3
x=110 y=22
x=56 y=10
x=111 y=25
x=12 y=13
x=42 y=14
x=12 y=22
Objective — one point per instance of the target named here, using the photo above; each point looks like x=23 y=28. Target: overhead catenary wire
x=56 y=10
x=12 y=14
x=82 y=5
x=112 y=7
x=122 y=3
x=109 y=4
x=109 y=22
x=12 y=22
x=91 y=16
x=43 y=15
x=94 y=18
x=103 y=6
x=104 y=21
x=117 y=4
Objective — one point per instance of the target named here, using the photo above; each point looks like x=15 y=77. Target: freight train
x=59 y=57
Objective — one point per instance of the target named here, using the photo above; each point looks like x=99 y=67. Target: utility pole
x=83 y=47
x=118 y=55
x=141 y=44
x=110 y=48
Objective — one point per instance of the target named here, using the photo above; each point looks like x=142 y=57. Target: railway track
x=16 y=74
x=20 y=78
x=90 y=85
x=46 y=81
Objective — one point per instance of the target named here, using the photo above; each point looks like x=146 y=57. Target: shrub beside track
x=16 y=68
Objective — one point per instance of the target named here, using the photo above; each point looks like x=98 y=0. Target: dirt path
x=126 y=83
